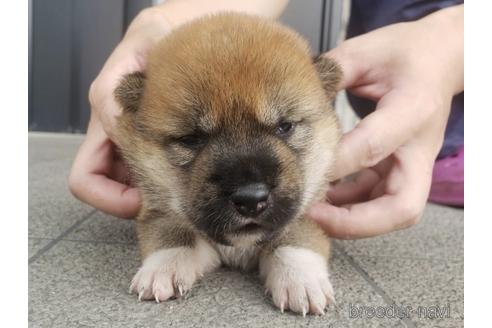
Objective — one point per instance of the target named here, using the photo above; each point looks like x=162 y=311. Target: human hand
x=100 y=178
x=98 y=175
x=411 y=70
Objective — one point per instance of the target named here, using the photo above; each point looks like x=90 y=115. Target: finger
x=108 y=112
x=377 y=136
x=121 y=62
x=352 y=71
x=378 y=190
x=354 y=191
x=103 y=193
x=89 y=179
x=400 y=206
x=367 y=184
x=358 y=221
x=110 y=196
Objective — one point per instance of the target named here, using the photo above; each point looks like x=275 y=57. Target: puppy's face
x=231 y=127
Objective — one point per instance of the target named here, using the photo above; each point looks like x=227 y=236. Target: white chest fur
x=243 y=257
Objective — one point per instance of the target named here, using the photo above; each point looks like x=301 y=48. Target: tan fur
x=227 y=75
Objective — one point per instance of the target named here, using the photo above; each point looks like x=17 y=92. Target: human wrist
x=152 y=21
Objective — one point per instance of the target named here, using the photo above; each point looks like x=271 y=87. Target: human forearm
x=178 y=12
x=448 y=25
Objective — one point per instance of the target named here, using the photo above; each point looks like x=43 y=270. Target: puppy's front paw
x=171 y=272
x=297 y=279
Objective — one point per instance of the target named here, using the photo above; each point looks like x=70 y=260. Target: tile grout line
x=60 y=237
x=388 y=300
x=87 y=241
x=414 y=258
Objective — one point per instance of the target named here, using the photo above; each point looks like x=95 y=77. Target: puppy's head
x=231 y=126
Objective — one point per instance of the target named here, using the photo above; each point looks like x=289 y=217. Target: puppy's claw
x=180 y=290
x=282 y=307
x=133 y=286
x=156 y=298
x=140 y=295
x=331 y=300
x=319 y=311
x=304 y=311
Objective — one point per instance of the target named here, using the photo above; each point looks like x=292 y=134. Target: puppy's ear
x=330 y=74
x=130 y=91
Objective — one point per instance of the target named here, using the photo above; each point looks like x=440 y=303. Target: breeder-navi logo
x=395 y=311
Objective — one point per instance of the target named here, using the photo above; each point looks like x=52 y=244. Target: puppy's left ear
x=330 y=74
x=130 y=90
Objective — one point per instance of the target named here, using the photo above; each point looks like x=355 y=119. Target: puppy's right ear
x=129 y=92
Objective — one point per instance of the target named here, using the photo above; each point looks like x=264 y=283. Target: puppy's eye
x=191 y=140
x=285 y=128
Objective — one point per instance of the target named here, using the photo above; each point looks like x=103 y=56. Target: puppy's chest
x=245 y=258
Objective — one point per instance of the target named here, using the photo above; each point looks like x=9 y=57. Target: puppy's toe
x=328 y=291
x=280 y=298
x=317 y=299
x=184 y=279
x=142 y=284
x=298 y=300
x=162 y=288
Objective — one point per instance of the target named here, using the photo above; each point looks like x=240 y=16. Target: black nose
x=251 y=199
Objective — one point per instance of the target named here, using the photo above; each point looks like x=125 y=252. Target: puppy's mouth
x=248 y=226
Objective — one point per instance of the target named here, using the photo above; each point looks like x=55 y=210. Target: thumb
x=352 y=70
x=378 y=135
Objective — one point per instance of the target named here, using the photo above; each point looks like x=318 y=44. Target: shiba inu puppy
x=230 y=136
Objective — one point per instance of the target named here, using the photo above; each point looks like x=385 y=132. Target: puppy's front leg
x=174 y=258
x=295 y=269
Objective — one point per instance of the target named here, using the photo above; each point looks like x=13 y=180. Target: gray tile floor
x=81 y=263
